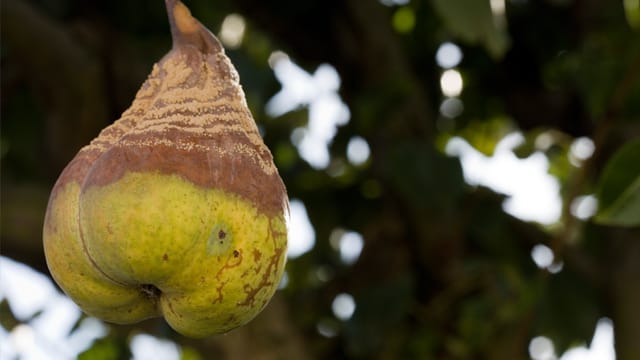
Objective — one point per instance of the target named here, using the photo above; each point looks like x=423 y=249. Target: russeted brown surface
x=189 y=118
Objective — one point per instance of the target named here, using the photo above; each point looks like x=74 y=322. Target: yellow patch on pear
x=214 y=258
x=73 y=271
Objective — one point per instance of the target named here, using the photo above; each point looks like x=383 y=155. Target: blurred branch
x=624 y=291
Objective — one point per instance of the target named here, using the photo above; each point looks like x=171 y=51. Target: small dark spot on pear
x=165 y=257
x=220 y=240
x=236 y=253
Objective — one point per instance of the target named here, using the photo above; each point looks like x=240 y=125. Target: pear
x=176 y=209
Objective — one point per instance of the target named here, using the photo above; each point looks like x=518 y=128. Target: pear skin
x=176 y=209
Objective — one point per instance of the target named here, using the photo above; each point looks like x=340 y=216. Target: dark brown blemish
x=165 y=257
x=221 y=234
x=236 y=253
x=150 y=291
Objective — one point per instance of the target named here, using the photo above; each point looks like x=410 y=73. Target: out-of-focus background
x=464 y=175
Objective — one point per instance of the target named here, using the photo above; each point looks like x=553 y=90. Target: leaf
x=188 y=353
x=473 y=22
x=632 y=12
x=484 y=135
x=619 y=188
x=110 y=348
x=425 y=178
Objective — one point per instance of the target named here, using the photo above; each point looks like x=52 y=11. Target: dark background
x=445 y=273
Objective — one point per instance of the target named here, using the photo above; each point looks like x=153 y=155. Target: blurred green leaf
x=7 y=319
x=473 y=22
x=619 y=188
x=404 y=20
x=424 y=177
x=285 y=155
x=188 y=353
x=484 y=135
x=109 y=348
x=612 y=58
x=632 y=11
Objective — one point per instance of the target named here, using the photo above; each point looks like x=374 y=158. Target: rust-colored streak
x=257 y=255
x=265 y=281
x=268 y=276
x=231 y=262
x=219 y=297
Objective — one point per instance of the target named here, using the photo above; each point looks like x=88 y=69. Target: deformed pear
x=176 y=209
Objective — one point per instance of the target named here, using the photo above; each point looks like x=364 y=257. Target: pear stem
x=188 y=31
x=170 y=4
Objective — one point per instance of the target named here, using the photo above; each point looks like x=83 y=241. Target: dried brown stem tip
x=187 y=30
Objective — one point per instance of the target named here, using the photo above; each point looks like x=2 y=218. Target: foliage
x=445 y=272
x=619 y=188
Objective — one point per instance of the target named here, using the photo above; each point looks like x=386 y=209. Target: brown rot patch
x=221 y=234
